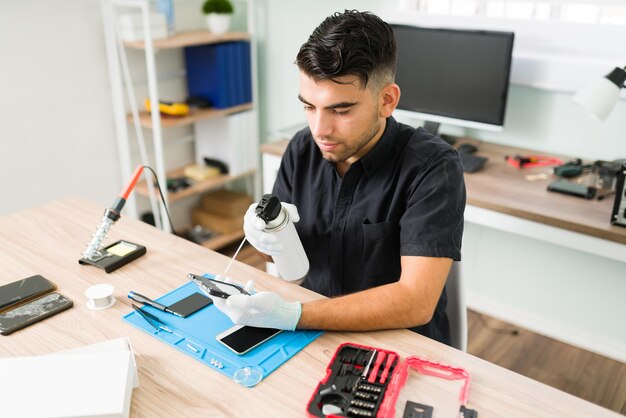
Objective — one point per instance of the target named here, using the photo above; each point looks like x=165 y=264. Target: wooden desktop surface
x=502 y=188
x=48 y=240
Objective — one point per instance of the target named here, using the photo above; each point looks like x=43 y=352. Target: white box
x=118 y=344
x=131 y=26
x=230 y=139
x=73 y=384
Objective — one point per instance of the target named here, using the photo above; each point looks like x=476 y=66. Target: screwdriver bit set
x=365 y=381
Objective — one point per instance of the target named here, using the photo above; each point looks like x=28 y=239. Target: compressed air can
x=292 y=264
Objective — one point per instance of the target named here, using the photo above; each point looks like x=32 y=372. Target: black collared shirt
x=405 y=197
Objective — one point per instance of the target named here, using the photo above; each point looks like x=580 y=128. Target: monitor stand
x=432 y=127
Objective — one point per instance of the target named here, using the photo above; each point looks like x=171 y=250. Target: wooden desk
x=48 y=240
x=501 y=189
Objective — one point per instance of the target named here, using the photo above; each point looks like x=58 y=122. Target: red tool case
x=366 y=381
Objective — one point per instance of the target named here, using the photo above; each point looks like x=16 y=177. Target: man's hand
x=265 y=242
x=263 y=310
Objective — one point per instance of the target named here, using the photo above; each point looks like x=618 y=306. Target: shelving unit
x=198 y=187
x=191 y=38
x=223 y=240
x=195 y=115
x=128 y=114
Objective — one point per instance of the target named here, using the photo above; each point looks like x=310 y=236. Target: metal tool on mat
x=151 y=319
x=138 y=297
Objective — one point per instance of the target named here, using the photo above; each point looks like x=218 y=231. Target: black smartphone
x=240 y=339
x=191 y=304
x=33 y=311
x=216 y=288
x=22 y=290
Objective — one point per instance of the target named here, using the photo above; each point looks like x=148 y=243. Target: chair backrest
x=456 y=308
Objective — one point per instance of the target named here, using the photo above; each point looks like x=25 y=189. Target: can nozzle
x=269 y=208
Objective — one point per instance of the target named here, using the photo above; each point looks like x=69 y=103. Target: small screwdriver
x=143 y=299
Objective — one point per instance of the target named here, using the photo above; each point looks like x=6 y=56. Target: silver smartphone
x=241 y=338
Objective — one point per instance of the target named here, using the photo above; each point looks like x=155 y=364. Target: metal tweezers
x=151 y=319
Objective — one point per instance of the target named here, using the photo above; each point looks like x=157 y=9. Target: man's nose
x=321 y=125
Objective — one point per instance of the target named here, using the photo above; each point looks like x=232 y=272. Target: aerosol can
x=292 y=263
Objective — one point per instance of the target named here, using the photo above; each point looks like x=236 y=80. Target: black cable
x=156 y=179
x=497 y=330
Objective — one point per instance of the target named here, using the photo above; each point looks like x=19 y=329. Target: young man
x=380 y=204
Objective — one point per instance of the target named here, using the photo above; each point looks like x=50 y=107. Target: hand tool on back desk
x=523 y=161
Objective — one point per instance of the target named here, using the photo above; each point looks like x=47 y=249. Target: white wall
x=56 y=129
x=552 y=123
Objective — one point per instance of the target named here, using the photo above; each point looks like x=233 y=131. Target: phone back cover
x=195 y=336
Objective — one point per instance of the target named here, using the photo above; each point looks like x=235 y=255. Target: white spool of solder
x=100 y=296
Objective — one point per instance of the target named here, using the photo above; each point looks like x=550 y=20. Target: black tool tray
x=110 y=261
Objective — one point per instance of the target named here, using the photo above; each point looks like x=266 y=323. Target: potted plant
x=218 y=14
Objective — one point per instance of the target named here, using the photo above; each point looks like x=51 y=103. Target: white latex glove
x=263 y=310
x=265 y=242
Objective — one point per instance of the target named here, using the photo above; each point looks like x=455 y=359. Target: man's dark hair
x=350 y=43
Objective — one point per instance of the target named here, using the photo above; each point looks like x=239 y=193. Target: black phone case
x=58 y=308
x=30 y=288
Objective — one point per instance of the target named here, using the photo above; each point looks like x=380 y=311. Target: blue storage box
x=220 y=73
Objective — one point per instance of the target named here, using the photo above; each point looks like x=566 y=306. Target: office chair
x=456 y=308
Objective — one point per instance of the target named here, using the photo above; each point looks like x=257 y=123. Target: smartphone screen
x=22 y=290
x=33 y=311
x=191 y=304
x=242 y=339
x=216 y=288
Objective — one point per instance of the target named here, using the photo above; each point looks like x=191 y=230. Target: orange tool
x=523 y=161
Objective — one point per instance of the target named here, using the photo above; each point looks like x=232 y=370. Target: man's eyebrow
x=339 y=105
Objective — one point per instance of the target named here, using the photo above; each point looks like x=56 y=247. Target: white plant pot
x=218 y=23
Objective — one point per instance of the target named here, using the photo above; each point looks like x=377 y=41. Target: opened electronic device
x=618 y=217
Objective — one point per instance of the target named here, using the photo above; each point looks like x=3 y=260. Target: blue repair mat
x=195 y=336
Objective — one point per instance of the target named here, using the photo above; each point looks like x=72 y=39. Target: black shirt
x=405 y=197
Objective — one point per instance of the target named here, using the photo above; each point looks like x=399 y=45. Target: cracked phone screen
x=32 y=310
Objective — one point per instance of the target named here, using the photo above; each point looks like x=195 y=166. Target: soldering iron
x=111 y=215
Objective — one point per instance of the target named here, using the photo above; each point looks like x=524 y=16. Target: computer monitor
x=453 y=76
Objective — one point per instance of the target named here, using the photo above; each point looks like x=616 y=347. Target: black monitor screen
x=458 y=74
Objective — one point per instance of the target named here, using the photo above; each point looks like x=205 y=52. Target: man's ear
x=389 y=98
